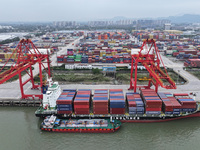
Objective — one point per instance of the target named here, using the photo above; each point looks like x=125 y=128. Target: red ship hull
x=197 y=114
x=81 y=130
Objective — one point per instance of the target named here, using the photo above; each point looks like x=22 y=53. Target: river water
x=19 y=130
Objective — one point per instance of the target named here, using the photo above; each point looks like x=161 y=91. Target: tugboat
x=54 y=124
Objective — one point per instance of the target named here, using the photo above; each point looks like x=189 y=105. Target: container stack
x=60 y=59
x=152 y=101
x=135 y=103
x=82 y=101
x=70 y=52
x=70 y=59
x=78 y=59
x=187 y=104
x=127 y=58
x=65 y=100
x=116 y=59
x=84 y=59
x=109 y=59
x=170 y=104
x=192 y=63
x=117 y=101
x=100 y=101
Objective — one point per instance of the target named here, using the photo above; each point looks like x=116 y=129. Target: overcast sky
x=80 y=10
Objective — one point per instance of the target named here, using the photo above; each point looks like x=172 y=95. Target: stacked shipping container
x=135 y=103
x=170 y=104
x=82 y=101
x=187 y=104
x=65 y=101
x=100 y=101
x=117 y=101
x=152 y=101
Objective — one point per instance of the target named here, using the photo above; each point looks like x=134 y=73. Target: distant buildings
x=64 y=23
x=138 y=24
x=167 y=26
x=6 y=27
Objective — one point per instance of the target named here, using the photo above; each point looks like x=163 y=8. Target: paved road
x=193 y=83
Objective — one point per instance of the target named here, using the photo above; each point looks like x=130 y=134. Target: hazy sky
x=80 y=10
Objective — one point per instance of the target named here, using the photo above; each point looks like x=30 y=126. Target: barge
x=53 y=124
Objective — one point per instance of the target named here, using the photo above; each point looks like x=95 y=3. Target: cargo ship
x=53 y=124
x=144 y=106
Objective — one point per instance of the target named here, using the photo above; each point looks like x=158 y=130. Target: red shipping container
x=64 y=102
x=100 y=95
x=131 y=103
x=180 y=94
x=81 y=106
x=64 y=112
x=100 y=106
x=117 y=111
x=81 y=112
x=100 y=112
x=64 y=93
x=153 y=102
x=153 y=106
x=116 y=90
x=153 y=109
x=81 y=102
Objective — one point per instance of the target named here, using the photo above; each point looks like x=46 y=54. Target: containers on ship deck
x=170 y=104
x=152 y=101
x=187 y=104
x=100 y=101
x=65 y=100
x=135 y=103
x=117 y=101
x=82 y=101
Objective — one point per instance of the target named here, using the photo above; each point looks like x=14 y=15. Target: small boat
x=54 y=124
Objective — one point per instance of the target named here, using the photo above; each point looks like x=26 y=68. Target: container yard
x=95 y=47
x=50 y=41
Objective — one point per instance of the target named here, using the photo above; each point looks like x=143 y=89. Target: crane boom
x=26 y=55
x=150 y=58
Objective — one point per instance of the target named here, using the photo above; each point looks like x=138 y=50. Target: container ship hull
x=123 y=118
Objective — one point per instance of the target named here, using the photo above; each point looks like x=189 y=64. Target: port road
x=191 y=86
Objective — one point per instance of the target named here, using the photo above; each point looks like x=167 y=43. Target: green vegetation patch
x=75 y=77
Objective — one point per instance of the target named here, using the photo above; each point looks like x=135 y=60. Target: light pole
x=56 y=58
x=178 y=77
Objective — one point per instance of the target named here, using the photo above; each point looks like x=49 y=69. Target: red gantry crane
x=24 y=57
x=150 y=58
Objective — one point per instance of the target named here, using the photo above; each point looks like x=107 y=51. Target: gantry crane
x=150 y=58
x=24 y=57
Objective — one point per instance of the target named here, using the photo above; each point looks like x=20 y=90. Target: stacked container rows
x=152 y=101
x=65 y=101
x=117 y=101
x=188 y=104
x=100 y=101
x=170 y=104
x=147 y=102
x=135 y=103
x=82 y=102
